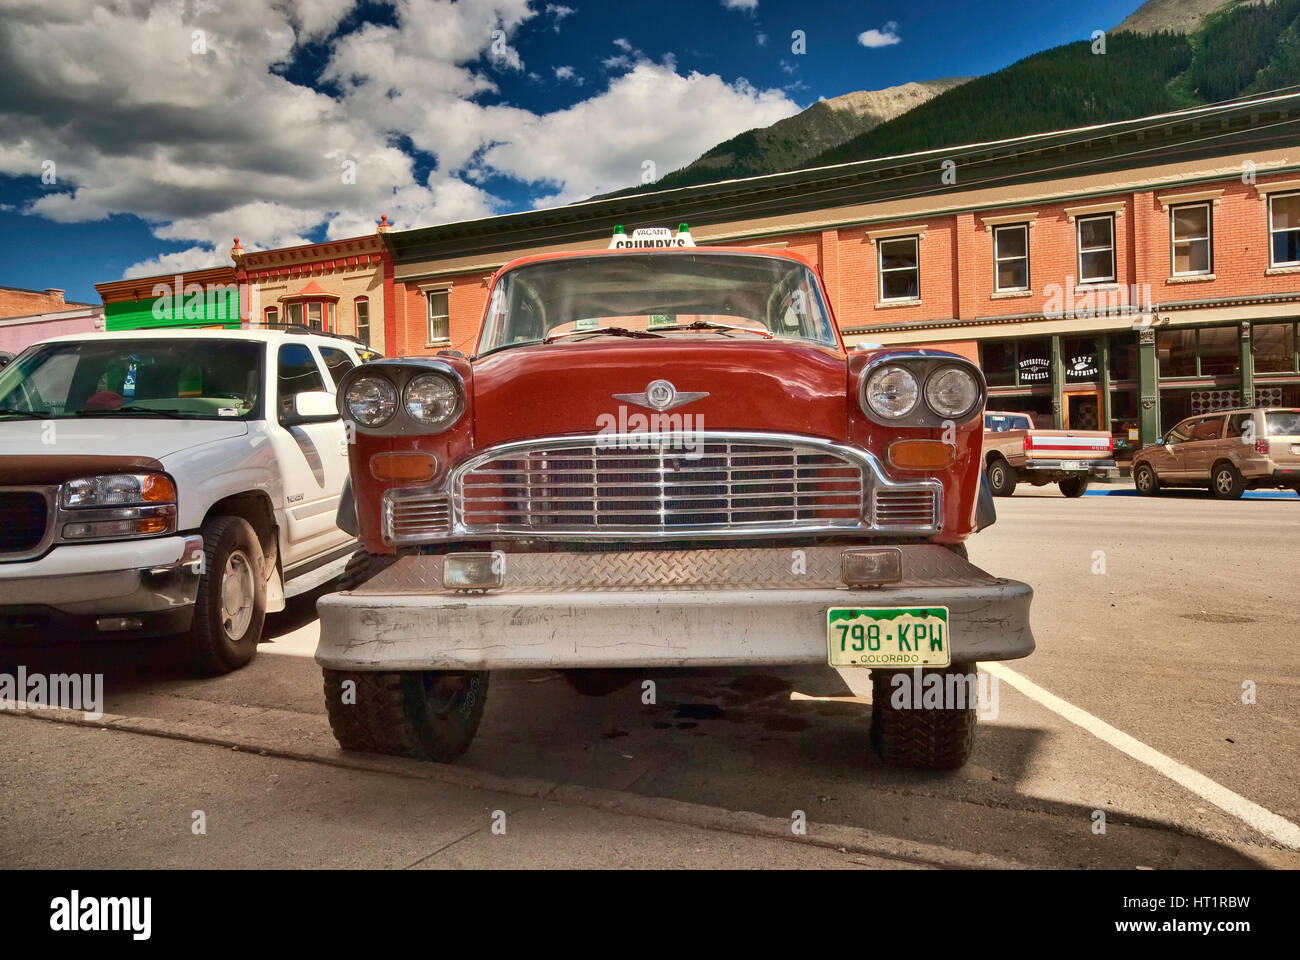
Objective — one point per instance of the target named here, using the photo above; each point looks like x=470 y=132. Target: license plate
x=887 y=637
x=1071 y=465
x=1295 y=448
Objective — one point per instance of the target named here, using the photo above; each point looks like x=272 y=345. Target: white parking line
x=1265 y=821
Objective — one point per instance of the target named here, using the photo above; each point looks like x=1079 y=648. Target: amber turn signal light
x=921 y=454
x=404 y=466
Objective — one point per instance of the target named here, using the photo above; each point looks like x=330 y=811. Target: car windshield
x=656 y=294
x=188 y=378
x=1283 y=423
x=1001 y=423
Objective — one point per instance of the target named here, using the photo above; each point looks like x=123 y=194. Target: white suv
x=159 y=482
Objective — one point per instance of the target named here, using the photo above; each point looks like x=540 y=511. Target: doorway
x=1083 y=411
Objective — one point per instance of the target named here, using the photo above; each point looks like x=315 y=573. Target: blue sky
x=243 y=120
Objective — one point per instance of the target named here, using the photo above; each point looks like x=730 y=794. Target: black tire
x=932 y=739
x=217 y=644
x=361 y=567
x=1226 y=482
x=1146 y=480
x=1073 y=486
x=1002 y=477
x=599 y=683
x=425 y=714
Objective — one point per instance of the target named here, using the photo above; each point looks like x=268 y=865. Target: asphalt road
x=1151 y=616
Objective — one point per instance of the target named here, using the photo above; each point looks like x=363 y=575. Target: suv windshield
x=194 y=379
x=669 y=294
x=1283 y=423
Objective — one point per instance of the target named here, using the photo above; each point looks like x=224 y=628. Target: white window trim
x=1168 y=200
x=1079 y=251
x=1277 y=186
x=1028 y=285
x=1011 y=219
x=1208 y=238
x=1115 y=207
x=1268 y=210
x=893 y=233
x=426 y=290
x=881 y=269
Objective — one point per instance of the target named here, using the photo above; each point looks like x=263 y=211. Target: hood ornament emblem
x=660 y=395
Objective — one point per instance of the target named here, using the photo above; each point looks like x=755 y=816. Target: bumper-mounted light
x=871 y=566
x=474 y=571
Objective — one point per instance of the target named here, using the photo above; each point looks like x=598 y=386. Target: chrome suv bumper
x=678 y=608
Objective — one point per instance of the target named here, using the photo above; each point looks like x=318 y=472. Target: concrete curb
x=831 y=836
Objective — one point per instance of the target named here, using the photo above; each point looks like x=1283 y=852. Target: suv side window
x=1238 y=424
x=1181 y=433
x=337 y=362
x=1208 y=428
x=296 y=372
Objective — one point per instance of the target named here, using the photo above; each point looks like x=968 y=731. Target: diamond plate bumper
x=724 y=607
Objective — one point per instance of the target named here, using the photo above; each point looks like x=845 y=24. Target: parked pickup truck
x=177 y=482
x=662 y=455
x=1015 y=451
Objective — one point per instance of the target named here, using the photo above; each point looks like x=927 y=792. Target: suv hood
x=559 y=388
x=97 y=439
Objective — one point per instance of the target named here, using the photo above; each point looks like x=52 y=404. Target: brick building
x=1121 y=275
x=28 y=316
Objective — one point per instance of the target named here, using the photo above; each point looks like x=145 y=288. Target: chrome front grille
x=724 y=483
x=714 y=484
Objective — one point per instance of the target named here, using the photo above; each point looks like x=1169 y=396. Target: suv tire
x=1073 y=486
x=934 y=739
x=230 y=607
x=1002 y=478
x=425 y=714
x=1226 y=482
x=1146 y=481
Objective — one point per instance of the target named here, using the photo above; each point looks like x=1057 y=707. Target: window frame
x=270 y=315
x=429 y=315
x=1272 y=232
x=881 y=269
x=1208 y=239
x=1080 y=251
x=356 y=323
x=998 y=260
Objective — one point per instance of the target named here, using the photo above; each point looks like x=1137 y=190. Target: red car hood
x=566 y=388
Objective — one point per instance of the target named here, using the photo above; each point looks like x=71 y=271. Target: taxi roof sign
x=649 y=238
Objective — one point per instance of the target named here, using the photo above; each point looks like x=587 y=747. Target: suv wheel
x=231 y=603
x=1146 y=481
x=426 y=714
x=934 y=738
x=1002 y=478
x=1073 y=486
x=1226 y=482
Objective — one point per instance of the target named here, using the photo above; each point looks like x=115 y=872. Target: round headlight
x=433 y=399
x=892 y=392
x=371 y=401
x=952 y=392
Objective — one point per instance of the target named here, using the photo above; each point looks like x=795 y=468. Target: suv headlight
x=118 y=490
x=892 y=392
x=117 y=506
x=433 y=399
x=952 y=392
x=370 y=401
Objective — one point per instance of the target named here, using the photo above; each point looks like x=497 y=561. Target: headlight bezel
x=942 y=370
x=399 y=374
x=457 y=400
x=393 y=400
x=923 y=365
x=86 y=509
x=885 y=370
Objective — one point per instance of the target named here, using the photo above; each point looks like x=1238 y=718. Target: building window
x=1284 y=224
x=439 y=325
x=313 y=314
x=1189 y=237
x=1096 y=249
x=1275 y=346
x=361 y=309
x=1011 y=257
x=271 y=316
x=900 y=270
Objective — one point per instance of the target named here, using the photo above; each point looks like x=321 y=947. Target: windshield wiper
x=612 y=331
x=30 y=414
x=710 y=325
x=159 y=411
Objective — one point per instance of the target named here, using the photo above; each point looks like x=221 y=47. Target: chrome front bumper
x=1094 y=468
x=723 y=607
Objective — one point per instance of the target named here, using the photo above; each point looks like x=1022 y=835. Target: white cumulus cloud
x=885 y=36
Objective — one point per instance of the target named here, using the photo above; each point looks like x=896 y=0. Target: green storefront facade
x=206 y=298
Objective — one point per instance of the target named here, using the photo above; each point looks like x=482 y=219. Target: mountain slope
x=1171 y=16
x=794 y=140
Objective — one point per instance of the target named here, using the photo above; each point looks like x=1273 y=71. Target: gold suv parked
x=1230 y=452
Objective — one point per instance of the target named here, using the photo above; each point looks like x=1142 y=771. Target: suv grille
x=25 y=517
x=724 y=484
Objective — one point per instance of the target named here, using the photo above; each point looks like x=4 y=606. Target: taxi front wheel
x=915 y=725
